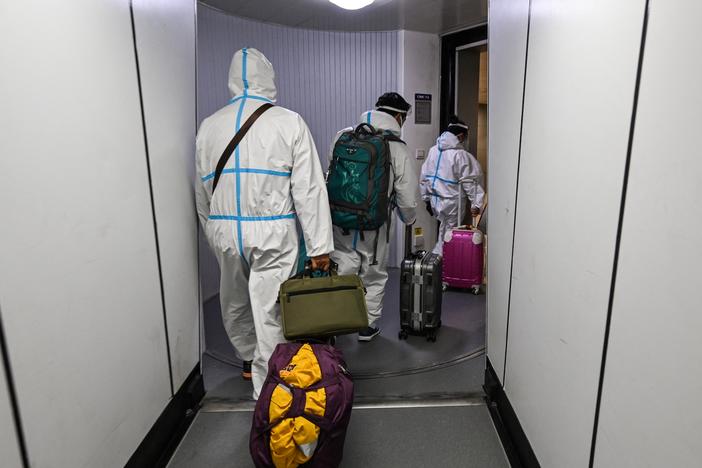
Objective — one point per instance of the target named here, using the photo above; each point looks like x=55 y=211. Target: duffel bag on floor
x=304 y=408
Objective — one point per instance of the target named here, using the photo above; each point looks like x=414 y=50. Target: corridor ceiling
x=432 y=16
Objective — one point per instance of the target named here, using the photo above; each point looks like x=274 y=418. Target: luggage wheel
x=444 y=286
x=402 y=335
x=475 y=290
x=431 y=336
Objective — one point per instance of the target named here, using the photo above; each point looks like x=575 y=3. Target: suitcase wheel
x=402 y=335
x=431 y=336
x=444 y=286
x=475 y=290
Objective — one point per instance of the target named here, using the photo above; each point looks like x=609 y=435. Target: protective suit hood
x=252 y=73
x=449 y=141
x=381 y=121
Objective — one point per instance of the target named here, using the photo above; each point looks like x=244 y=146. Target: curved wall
x=328 y=77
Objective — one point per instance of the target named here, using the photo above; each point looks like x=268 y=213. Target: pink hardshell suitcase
x=463 y=257
x=463 y=260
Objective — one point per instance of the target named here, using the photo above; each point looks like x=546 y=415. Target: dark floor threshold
x=514 y=440
x=157 y=448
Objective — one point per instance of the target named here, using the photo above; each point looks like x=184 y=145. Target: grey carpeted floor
x=462 y=377
x=462 y=333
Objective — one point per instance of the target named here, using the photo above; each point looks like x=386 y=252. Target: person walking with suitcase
x=252 y=190
x=448 y=173
x=370 y=174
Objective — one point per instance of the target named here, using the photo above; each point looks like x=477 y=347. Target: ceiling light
x=352 y=4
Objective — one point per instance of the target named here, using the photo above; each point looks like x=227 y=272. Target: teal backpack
x=359 y=178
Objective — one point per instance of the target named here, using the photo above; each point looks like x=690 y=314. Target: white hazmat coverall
x=355 y=255
x=272 y=180
x=447 y=163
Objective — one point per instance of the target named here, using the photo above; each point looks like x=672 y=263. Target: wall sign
x=422 y=109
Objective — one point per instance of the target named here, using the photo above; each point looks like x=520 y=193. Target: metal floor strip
x=218 y=405
x=422 y=403
x=379 y=375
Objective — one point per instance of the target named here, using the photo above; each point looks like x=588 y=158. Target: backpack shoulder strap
x=236 y=140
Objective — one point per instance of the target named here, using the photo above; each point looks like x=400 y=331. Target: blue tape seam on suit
x=252 y=218
x=246 y=170
x=236 y=158
x=436 y=172
x=250 y=96
x=454 y=182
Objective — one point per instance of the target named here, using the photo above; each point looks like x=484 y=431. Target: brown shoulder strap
x=236 y=140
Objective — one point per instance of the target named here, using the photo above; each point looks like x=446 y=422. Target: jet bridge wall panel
x=9 y=442
x=650 y=413
x=79 y=283
x=165 y=35
x=581 y=74
x=507 y=49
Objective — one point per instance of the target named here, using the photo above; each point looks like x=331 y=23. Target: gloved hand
x=429 y=210
x=321 y=263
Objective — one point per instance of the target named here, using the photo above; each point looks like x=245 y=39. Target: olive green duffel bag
x=324 y=306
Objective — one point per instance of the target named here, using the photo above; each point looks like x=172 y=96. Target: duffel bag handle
x=309 y=273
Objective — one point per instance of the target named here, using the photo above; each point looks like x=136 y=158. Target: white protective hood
x=251 y=73
x=381 y=121
x=449 y=141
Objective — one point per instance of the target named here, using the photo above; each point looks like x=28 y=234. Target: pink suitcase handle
x=460 y=200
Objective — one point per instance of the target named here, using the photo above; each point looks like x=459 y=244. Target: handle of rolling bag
x=408 y=240
x=236 y=140
x=459 y=221
x=479 y=218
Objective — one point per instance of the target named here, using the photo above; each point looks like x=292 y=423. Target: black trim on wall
x=157 y=448
x=201 y=309
x=622 y=207
x=12 y=393
x=449 y=44
x=151 y=194
x=516 y=195
x=514 y=440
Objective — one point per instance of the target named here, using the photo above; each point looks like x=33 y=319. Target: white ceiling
x=434 y=16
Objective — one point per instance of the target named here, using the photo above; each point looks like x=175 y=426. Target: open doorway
x=471 y=105
x=471 y=99
x=464 y=89
x=464 y=93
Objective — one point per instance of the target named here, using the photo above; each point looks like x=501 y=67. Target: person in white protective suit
x=272 y=181
x=447 y=164
x=354 y=251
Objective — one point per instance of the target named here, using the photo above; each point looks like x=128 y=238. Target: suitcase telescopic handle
x=459 y=221
x=479 y=218
x=408 y=240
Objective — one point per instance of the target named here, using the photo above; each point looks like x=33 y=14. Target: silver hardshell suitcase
x=420 y=293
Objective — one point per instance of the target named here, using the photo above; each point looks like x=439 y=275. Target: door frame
x=451 y=44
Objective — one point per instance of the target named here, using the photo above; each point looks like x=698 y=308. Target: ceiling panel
x=434 y=16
